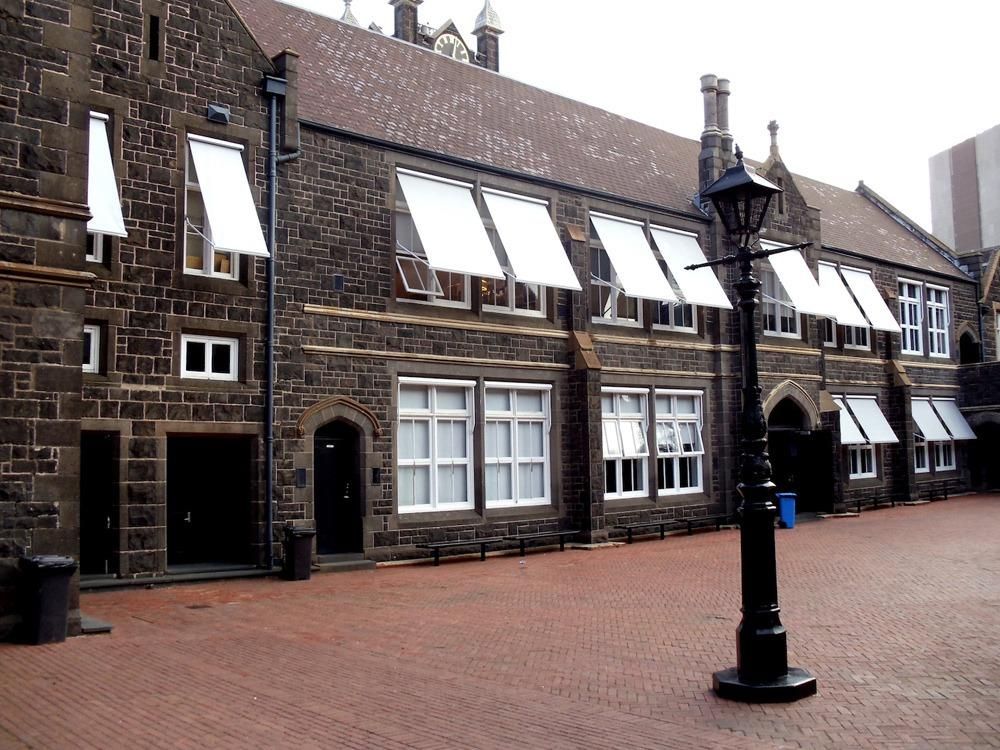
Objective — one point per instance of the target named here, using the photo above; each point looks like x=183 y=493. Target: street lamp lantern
x=761 y=675
x=741 y=198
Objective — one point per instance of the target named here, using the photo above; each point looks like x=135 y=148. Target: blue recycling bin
x=786 y=509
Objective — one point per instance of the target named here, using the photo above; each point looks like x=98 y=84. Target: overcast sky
x=862 y=90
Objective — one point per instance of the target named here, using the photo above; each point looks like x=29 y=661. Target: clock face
x=451 y=45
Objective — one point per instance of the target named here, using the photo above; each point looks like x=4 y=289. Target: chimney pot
x=710 y=90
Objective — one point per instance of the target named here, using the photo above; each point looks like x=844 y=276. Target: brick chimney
x=487 y=31
x=710 y=162
x=406 y=19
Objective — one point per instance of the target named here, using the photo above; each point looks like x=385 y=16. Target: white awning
x=680 y=249
x=449 y=225
x=871 y=420
x=849 y=432
x=102 y=190
x=947 y=409
x=845 y=311
x=795 y=276
x=530 y=240
x=638 y=272
x=229 y=206
x=927 y=421
x=871 y=301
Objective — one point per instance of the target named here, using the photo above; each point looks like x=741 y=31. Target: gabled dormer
x=789 y=212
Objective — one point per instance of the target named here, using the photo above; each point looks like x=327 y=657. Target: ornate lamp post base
x=798 y=683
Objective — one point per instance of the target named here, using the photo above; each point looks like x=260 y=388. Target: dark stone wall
x=142 y=299
x=43 y=137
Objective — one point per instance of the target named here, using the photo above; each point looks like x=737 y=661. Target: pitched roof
x=377 y=86
x=849 y=221
x=374 y=85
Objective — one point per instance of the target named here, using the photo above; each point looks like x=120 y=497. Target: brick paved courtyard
x=897 y=613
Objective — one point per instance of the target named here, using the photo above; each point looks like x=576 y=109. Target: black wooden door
x=98 y=502
x=208 y=500
x=801 y=462
x=336 y=490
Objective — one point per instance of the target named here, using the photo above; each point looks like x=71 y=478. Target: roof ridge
x=909 y=224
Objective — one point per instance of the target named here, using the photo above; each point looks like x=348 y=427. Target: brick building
x=482 y=323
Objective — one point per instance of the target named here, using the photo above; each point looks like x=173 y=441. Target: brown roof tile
x=850 y=221
x=374 y=85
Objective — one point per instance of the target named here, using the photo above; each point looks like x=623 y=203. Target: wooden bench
x=706 y=520
x=436 y=547
x=673 y=523
x=630 y=527
x=530 y=536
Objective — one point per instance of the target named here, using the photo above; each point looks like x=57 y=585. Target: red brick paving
x=897 y=613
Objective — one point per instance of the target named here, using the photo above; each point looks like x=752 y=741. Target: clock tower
x=446 y=39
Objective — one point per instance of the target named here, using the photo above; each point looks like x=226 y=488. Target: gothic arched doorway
x=801 y=457
x=337 y=489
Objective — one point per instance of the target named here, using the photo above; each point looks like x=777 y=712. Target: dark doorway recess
x=98 y=503
x=337 y=490
x=209 y=482
x=801 y=459
x=968 y=349
x=983 y=464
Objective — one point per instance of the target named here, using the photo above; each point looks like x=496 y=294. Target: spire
x=488 y=18
x=348 y=16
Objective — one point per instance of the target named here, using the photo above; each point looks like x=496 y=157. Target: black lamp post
x=762 y=675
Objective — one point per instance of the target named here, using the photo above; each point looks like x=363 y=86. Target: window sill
x=641 y=495
x=631 y=324
x=510 y=512
x=864 y=481
x=215 y=284
x=197 y=384
x=417 y=519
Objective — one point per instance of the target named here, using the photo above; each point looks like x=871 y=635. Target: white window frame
x=674 y=419
x=613 y=427
x=921 y=457
x=938 y=311
x=852 y=335
x=828 y=330
x=614 y=290
x=911 y=307
x=208 y=252
x=92 y=360
x=944 y=456
x=670 y=309
x=856 y=455
x=210 y=342
x=96 y=242
x=409 y=250
x=510 y=282
x=514 y=417
x=777 y=302
x=996 y=324
x=432 y=415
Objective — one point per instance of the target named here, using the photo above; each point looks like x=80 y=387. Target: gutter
x=274 y=88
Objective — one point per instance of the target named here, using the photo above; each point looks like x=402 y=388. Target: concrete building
x=965 y=192
x=480 y=321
